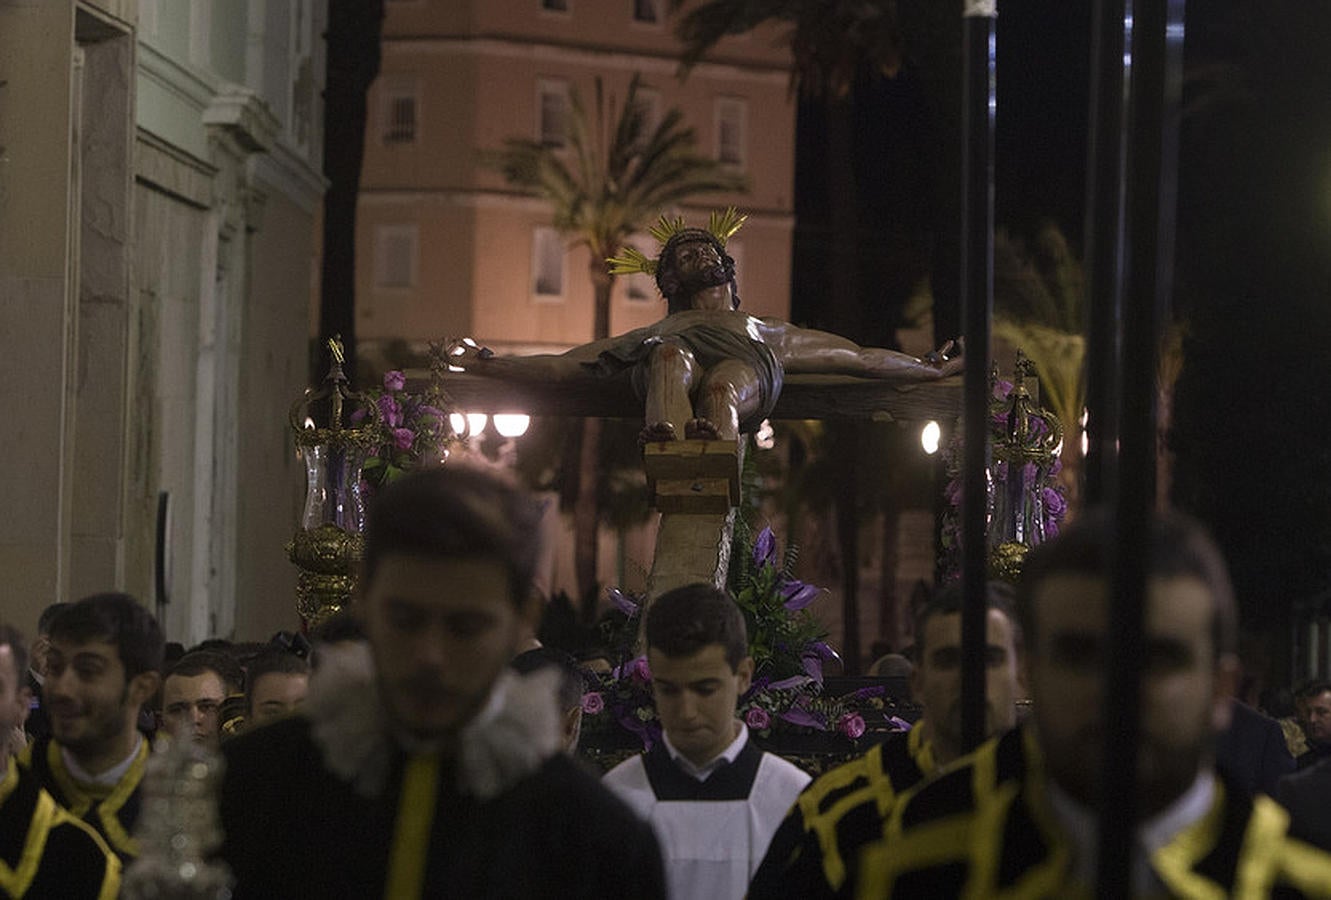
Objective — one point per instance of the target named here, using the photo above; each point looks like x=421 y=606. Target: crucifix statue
x=705 y=374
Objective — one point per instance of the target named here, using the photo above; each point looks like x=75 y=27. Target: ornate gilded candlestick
x=1026 y=439
x=335 y=428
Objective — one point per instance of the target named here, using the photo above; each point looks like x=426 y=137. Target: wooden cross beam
x=505 y=388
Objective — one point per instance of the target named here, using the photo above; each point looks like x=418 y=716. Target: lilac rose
x=403 y=438
x=757 y=719
x=394 y=380
x=391 y=411
x=592 y=703
x=851 y=725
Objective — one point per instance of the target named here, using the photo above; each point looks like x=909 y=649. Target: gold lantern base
x=328 y=558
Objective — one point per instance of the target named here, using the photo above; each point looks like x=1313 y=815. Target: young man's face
x=1184 y=686
x=441 y=631
x=1319 y=717
x=192 y=707
x=90 y=701
x=276 y=694
x=696 y=697
x=936 y=681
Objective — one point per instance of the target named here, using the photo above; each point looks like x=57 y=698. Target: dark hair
x=572 y=681
x=1312 y=688
x=116 y=619
x=1277 y=702
x=275 y=660
x=18 y=648
x=951 y=599
x=1178 y=546
x=686 y=619
x=456 y=513
x=668 y=281
x=199 y=662
x=48 y=616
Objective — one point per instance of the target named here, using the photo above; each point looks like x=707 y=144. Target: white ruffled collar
x=514 y=733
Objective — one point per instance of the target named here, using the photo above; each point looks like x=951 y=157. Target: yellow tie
x=411 y=833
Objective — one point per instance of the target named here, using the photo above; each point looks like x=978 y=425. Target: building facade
x=446 y=248
x=159 y=194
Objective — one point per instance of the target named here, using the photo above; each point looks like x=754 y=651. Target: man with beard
x=1020 y=816
x=44 y=850
x=102 y=665
x=419 y=764
x=814 y=852
x=708 y=370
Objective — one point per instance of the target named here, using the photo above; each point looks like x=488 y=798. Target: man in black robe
x=420 y=766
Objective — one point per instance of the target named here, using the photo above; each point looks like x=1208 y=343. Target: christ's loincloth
x=709 y=345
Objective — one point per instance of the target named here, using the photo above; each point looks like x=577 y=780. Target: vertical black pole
x=1110 y=75
x=1156 y=50
x=977 y=291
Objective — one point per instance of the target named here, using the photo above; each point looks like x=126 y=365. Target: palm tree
x=611 y=182
x=835 y=45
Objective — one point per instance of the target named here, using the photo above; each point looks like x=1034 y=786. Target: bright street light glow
x=476 y=423
x=511 y=425
x=930 y=436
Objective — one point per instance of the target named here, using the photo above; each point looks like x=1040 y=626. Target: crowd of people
x=425 y=748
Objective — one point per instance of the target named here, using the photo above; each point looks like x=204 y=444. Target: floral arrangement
x=414 y=431
x=787 y=645
x=1026 y=502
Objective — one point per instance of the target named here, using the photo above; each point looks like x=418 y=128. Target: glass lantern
x=335 y=429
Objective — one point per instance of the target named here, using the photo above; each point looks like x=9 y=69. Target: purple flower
x=394 y=380
x=358 y=416
x=639 y=671
x=851 y=725
x=390 y=411
x=764 y=548
x=898 y=724
x=1002 y=389
x=813 y=664
x=1055 y=503
x=433 y=412
x=592 y=703
x=758 y=719
x=623 y=603
x=403 y=438
x=797 y=715
x=798 y=594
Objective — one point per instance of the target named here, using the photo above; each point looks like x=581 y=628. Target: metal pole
x=1155 y=44
x=1110 y=76
x=977 y=292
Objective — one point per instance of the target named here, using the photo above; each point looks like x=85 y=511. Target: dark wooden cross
x=695 y=483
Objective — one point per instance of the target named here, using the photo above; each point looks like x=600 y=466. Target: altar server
x=712 y=796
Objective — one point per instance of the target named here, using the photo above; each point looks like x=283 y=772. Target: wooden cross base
x=692 y=476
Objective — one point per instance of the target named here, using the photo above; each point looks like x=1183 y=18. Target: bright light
x=765 y=436
x=459 y=423
x=511 y=425
x=1085 y=437
x=476 y=423
x=930 y=436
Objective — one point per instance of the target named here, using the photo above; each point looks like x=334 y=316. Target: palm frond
x=631 y=261
x=725 y=224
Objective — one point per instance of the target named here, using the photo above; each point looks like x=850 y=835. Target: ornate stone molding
x=244 y=116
